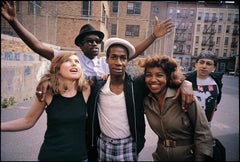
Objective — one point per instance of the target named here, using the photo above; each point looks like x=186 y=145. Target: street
x=25 y=145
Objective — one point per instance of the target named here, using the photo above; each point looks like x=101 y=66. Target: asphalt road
x=25 y=145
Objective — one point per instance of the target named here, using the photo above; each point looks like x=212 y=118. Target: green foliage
x=5 y=102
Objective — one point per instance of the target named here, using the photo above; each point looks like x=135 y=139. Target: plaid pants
x=110 y=149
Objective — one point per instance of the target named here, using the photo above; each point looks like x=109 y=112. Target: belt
x=173 y=143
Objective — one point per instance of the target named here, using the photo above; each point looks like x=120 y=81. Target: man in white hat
x=116 y=118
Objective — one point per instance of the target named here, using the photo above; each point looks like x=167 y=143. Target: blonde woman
x=66 y=108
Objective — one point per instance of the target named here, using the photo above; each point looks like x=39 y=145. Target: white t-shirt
x=112 y=113
x=206 y=92
x=94 y=67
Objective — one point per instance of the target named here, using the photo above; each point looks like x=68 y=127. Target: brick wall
x=21 y=69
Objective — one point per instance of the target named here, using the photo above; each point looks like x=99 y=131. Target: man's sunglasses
x=91 y=41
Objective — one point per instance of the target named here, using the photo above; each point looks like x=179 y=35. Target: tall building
x=217 y=29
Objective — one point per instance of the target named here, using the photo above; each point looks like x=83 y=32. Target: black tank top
x=65 y=138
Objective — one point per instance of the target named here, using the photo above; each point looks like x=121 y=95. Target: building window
x=17 y=6
x=114 y=29
x=198 y=27
x=189 y=36
x=103 y=14
x=132 y=30
x=200 y=16
x=197 y=40
x=195 y=51
x=220 y=16
x=236 y=18
x=155 y=10
x=36 y=5
x=191 y=12
x=219 y=28
x=226 y=41
x=217 y=52
x=190 y=25
x=229 y=17
x=170 y=11
x=188 y=48
x=228 y=29
x=115 y=6
x=86 y=8
x=218 y=40
x=184 y=13
x=206 y=17
x=225 y=53
x=178 y=13
x=134 y=8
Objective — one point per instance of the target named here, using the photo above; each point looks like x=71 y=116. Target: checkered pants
x=110 y=149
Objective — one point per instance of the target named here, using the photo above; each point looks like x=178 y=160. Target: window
x=220 y=16
x=195 y=51
x=188 y=48
x=225 y=53
x=189 y=36
x=219 y=28
x=170 y=11
x=229 y=17
x=228 y=29
x=155 y=10
x=132 y=30
x=86 y=8
x=178 y=12
x=236 y=18
x=106 y=24
x=197 y=40
x=218 y=40
x=217 y=52
x=17 y=6
x=184 y=13
x=190 y=26
x=198 y=27
x=206 y=17
x=115 y=6
x=204 y=38
x=199 y=15
x=191 y=12
x=114 y=29
x=36 y=5
x=214 y=18
x=134 y=8
x=226 y=41
x=103 y=14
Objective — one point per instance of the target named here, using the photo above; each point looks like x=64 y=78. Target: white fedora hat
x=123 y=42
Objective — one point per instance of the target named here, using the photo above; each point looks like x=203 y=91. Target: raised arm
x=8 y=11
x=26 y=122
x=159 y=30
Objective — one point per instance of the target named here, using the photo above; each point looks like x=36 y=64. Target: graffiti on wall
x=16 y=56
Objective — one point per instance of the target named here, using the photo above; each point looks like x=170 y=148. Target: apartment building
x=199 y=25
x=217 y=29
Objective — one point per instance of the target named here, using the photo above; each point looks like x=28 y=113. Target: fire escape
x=208 y=32
x=180 y=36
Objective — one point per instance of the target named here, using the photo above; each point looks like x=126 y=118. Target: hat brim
x=122 y=42
x=80 y=37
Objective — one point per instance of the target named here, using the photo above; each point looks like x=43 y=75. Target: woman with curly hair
x=182 y=136
x=66 y=108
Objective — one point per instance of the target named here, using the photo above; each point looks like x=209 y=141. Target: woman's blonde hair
x=57 y=85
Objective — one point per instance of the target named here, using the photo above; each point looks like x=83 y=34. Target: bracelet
x=153 y=36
